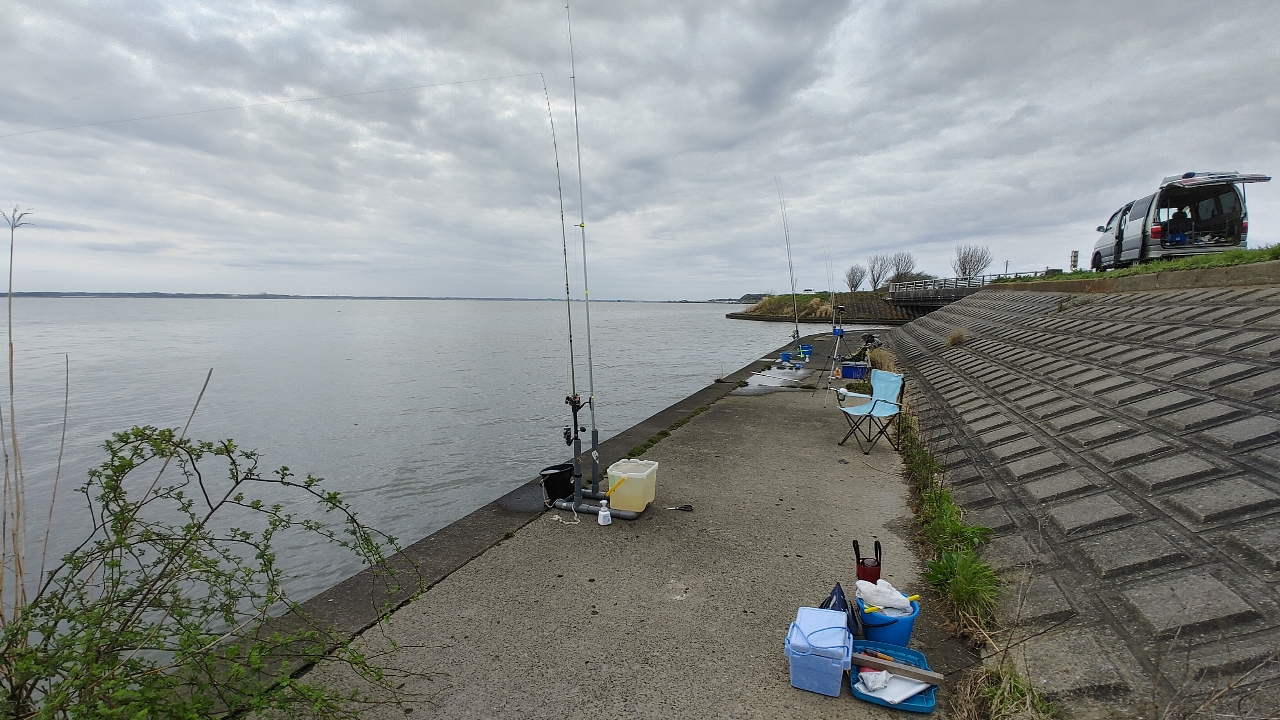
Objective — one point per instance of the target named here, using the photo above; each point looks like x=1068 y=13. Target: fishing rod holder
x=586 y=508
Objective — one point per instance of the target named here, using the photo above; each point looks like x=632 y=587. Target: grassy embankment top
x=1199 y=262
x=864 y=304
x=817 y=305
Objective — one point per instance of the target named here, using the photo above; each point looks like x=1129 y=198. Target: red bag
x=868 y=568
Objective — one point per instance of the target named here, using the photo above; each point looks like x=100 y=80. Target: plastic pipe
x=584 y=508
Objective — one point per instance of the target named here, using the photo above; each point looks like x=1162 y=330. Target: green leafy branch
x=170 y=606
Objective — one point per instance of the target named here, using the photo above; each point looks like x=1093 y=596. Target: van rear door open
x=1190 y=180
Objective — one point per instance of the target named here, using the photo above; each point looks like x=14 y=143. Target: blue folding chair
x=874 y=414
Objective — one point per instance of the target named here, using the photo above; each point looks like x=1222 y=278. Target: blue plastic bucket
x=784 y=357
x=837 y=332
x=877 y=627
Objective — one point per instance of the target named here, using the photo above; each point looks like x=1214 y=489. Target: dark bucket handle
x=857 y=553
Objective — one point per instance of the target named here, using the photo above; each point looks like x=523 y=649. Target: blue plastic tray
x=920 y=703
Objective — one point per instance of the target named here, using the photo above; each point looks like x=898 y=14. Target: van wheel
x=1096 y=263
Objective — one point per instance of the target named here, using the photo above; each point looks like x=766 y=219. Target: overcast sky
x=891 y=126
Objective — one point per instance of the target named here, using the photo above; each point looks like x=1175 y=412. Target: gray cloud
x=891 y=125
x=141 y=247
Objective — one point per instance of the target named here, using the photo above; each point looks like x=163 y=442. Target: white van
x=1191 y=214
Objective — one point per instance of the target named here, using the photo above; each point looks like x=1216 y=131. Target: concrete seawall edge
x=355 y=604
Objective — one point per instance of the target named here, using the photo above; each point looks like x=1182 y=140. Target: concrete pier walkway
x=677 y=614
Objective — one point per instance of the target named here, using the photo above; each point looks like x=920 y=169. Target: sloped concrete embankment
x=1125 y=446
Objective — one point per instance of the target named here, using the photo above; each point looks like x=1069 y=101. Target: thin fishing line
x=267 y=104
x=835 y=346
x=564 y=239
x=786 y=233
x=582 y=224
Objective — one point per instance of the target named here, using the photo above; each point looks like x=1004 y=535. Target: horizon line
x=285 y=296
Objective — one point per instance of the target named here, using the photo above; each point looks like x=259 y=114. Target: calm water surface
x=417 y=411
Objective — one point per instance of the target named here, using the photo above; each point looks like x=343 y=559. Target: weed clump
x=968 y=582
x=999 y=694
x=659 y=436
x=859 y=386
x=882 y=359
x=957 y=337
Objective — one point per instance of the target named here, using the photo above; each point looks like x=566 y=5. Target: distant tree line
x=884 y=268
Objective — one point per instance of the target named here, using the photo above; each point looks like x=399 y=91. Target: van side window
x=1230 y=202
x=1111 y=224
x=1140 y=207
x=1206 y=209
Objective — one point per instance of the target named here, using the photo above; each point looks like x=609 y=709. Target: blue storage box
x=819 y=646
x=853 y=371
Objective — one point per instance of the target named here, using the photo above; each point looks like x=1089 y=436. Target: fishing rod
x=837 y=332
x=586 y=290
x=576 y=404
x=786 y=232
x=572 y=400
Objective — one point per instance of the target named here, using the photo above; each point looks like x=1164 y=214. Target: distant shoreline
x=273 y=296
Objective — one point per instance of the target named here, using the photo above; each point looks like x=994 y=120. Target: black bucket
x=557 y=480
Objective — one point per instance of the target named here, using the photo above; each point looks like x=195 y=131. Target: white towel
x=882 y=594
x=896 y=690
x=874 y=679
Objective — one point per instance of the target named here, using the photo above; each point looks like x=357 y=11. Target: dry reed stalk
x=13 y=527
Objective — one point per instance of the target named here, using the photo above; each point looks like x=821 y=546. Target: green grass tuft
x=968 y=582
